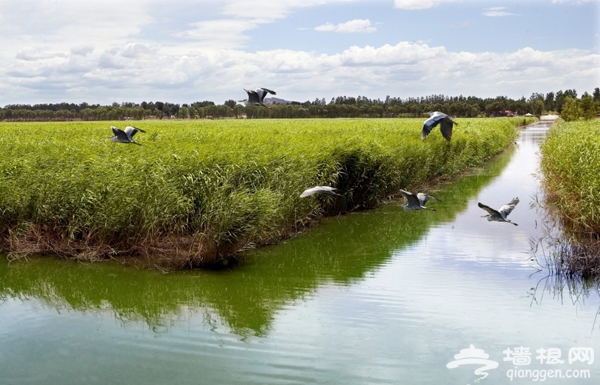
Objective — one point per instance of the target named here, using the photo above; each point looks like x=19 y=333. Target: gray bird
x=257 y=96
x=416 y=202
x=126 y=136
x=319 y=190
x=502 y=213
x=443 y=120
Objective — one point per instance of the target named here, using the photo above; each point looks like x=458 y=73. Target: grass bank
x=197 y=192
x=571 y=165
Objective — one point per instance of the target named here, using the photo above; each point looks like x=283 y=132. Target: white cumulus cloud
x=356 y=25
x=496 y=12
x=82 y=50
x=32 y=54
x=404 y=69
x=419 y=4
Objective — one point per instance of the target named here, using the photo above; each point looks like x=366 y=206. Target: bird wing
x=131 y=131
x=261 y=94
x=269 y=91
x=490 y=210
x=120 y=134
x=434 y=119
x=307 y=192
x=318 y=190
x=252 y=97
x=423 y=198
x=425 y=130
x=413 y=200
x=446 y=127
x=508 y=208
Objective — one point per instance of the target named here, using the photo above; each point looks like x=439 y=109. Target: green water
x=380 y=296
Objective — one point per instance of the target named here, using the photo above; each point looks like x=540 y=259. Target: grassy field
x=571 y=168
x=196 y=192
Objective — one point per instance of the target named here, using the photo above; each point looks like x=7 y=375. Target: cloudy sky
x=182 y=51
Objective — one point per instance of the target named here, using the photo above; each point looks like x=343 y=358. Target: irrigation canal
x=376 y=297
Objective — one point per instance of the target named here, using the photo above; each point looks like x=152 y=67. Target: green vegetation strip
x=197 y=192
x=571 y=167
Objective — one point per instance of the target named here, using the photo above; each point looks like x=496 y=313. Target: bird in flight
x=319 y=190
x=126 y=136
x=446 y=123
x=502 y=213
x=416 y=202
x=256 y=96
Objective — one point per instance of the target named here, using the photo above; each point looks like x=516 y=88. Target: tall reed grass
x=197 y=192
x=571 y=165
x=571 y=179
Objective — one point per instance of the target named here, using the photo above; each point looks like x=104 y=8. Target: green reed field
x=197 y=192
x=571 y=167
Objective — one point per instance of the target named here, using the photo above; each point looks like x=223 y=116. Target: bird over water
x=416 y=202
x=502 y=213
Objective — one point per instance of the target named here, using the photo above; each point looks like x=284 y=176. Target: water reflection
x=561 y=287
x=562 y=261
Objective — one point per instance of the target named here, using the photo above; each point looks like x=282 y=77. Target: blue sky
x=183 y=51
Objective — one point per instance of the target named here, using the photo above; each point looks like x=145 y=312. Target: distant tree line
x=587 y=106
